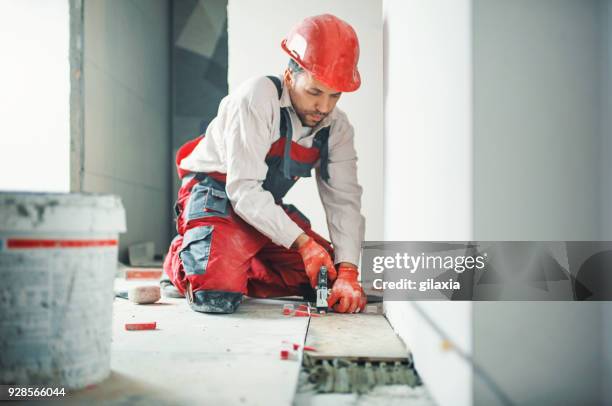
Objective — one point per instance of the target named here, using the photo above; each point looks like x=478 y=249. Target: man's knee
x=214 y=260
x=195 y=249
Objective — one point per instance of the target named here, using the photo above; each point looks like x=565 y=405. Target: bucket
x=58 y=259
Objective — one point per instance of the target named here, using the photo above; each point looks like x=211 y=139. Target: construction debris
x=143 y=273
x=284 y=354
x=297 y=346
x=287 y=309
x=122 y=294
x=301 y=313
x=288 y=350
x=346 y=376
x=144 y=294
x=302 y=310
x=141 y=326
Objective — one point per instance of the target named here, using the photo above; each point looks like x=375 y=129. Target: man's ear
x=288 y=78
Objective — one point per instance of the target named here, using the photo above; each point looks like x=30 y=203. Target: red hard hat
x=328 y=48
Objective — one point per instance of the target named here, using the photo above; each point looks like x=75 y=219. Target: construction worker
x=235 y=235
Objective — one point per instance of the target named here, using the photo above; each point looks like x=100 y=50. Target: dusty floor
x=196 y=358
x=200 y=359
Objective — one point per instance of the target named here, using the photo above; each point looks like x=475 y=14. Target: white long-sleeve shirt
x=237 y=142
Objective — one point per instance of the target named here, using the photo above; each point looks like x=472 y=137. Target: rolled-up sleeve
x=247 y=141
x=341 y=196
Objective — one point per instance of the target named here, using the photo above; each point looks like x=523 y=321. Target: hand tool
x=322 y=291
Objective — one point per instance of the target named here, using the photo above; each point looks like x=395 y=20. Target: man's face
x=311 y=99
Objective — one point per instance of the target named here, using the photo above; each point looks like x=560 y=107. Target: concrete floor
x=199 y=359
x=196 y=358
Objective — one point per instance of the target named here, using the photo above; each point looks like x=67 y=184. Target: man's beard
x=311 y=123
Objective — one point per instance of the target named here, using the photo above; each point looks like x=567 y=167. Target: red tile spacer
x=143 y=273
x=287 y=309
x=284 y=354
x=301 y=313
x=140 y=326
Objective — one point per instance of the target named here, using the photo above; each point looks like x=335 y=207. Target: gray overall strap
x=286 y=128
x=277 y=83
x=324 y=153
x=288 y=138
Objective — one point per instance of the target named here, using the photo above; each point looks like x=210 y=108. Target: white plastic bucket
x=58 y=258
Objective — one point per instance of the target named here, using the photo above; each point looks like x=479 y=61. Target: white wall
x=256 y=29
x=446 y=375
x=34 y=96
x=428 y=139
x=606 y=161
x=544 y=353
x=127 y=112
x=428 y=172
x=606 y=120
x=540 y=145
x=537 y=116
x=606 y=339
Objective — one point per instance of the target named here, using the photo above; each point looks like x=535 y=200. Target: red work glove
x=347 y=295
x=314 y=257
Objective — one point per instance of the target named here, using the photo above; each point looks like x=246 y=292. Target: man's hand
x=314 y=256
x=347 y=294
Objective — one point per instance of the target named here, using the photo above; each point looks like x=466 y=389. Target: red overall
x=217 y=257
